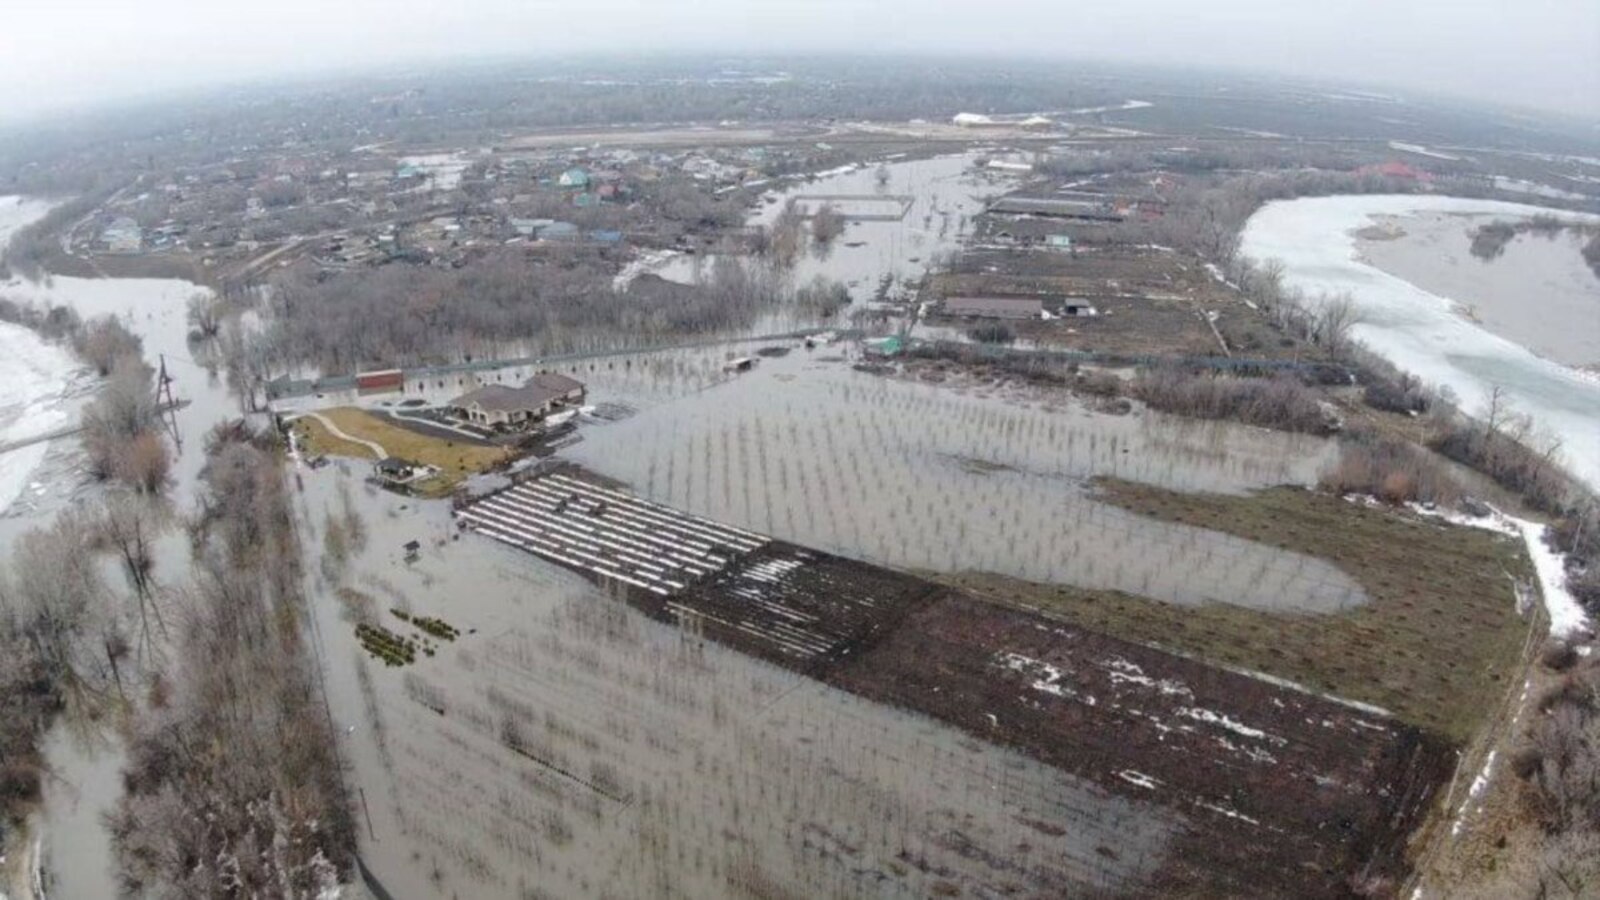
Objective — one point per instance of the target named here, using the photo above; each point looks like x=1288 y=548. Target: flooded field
x=545 y=739
x=1538 y=293
x=925 y=477
x=565 y=745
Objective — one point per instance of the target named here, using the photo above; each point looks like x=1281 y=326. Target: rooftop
x=535 y=394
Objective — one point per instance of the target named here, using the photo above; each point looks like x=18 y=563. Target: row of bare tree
x=233 y=782
x=502 y=303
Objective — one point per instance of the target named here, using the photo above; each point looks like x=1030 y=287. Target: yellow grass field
x=454 y=459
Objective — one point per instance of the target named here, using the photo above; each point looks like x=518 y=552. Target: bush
x=1393 y=471
x=1280 y=402
x=1404 y=396
x=1512 y=464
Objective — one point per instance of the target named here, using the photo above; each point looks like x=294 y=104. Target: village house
x=501 y=407
x=123 y=236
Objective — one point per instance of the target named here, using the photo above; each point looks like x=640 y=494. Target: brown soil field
x=1283 y=792
x=1151 y=302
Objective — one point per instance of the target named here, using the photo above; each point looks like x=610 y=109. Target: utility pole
x=167 y=404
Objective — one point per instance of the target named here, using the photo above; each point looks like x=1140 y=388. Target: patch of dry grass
x=454 y=459
x=1436 y=645
x=318 y=441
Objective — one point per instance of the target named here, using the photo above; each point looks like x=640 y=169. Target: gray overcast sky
x=1540 y=53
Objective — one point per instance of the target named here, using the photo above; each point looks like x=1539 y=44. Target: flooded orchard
x=926 y=477
x=563 y=744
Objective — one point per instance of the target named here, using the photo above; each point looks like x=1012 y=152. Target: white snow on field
x=1125 y=105
x=1474 y=792
x=1138 y=779
x=1124 y=671
x=1233 y=725
x=33 y=377
x=1419 y=331
x=1046 y=677
x=1566 y=615
x=33 y=381
x=1421 y=150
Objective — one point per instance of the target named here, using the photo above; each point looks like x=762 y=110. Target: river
x=1429 y=333
x=42 y=387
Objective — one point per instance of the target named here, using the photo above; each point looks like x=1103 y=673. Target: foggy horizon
x=1542 y=57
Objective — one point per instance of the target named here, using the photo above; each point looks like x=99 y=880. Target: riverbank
x=1419 y=331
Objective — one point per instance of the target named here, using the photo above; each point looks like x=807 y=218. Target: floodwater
x=945 y=194
x=927 y=477
x=565 y=745
x=85 y=760
x=1421 y=331
x=1539 y=293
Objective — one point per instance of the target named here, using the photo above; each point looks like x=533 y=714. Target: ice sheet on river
x=1418 y=330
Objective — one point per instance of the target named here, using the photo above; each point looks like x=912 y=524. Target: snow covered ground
x=34 y=377
x=1420 y=331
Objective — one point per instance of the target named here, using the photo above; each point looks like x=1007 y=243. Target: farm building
x=381 y=381
x=498 y=406
x=1058 y=208
x=994 y=307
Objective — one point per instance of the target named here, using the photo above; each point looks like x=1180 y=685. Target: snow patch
x=1200 y=714
x=1138 y=779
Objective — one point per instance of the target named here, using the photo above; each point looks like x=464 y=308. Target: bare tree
x=787 y=237
x=205 y=316
x=1335 y=316
x=59 y=606
x=105 y=341
x=117 y=426
x=827 y=223
x=128 y=526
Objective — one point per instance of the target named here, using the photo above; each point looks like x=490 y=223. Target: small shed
x=893 y=345
x=394 y=470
